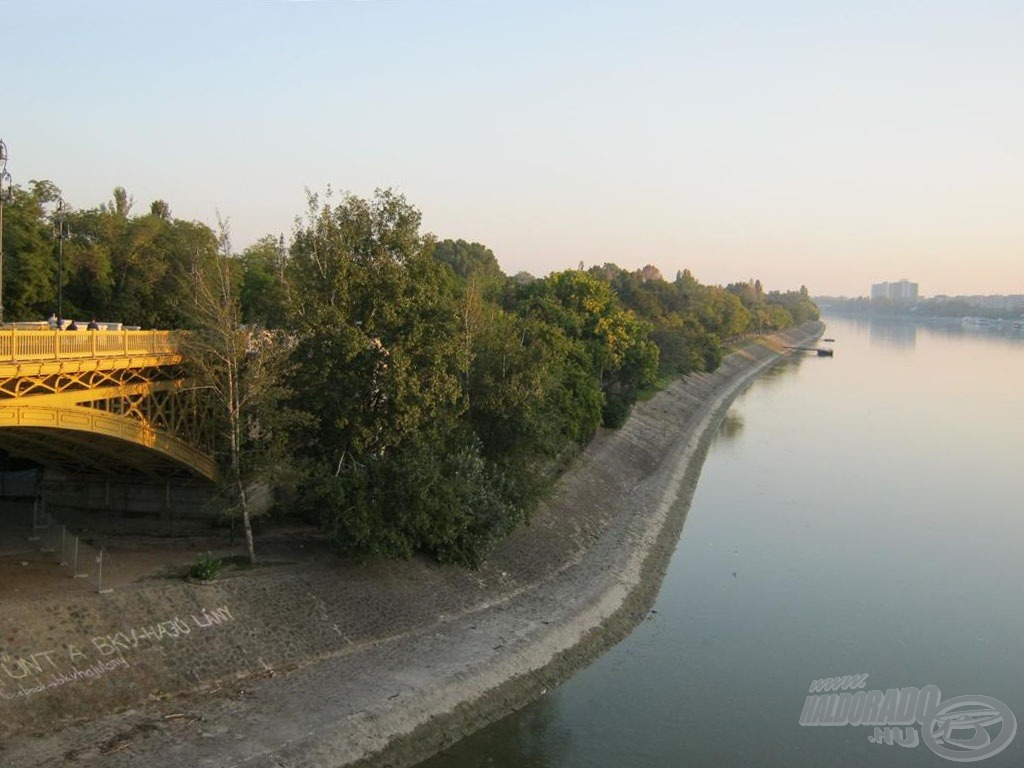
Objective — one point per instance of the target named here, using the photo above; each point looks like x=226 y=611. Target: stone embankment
x=332 y=663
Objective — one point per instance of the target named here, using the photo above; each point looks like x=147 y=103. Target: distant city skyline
x=898 y=292
x=798 y=143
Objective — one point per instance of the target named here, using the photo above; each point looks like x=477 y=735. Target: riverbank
x=332 y=663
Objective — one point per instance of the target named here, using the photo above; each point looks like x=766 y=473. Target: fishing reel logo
x=963 y=729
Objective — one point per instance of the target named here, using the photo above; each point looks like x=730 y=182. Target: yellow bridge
x=109 y=402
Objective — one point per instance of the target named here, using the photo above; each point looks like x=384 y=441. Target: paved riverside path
x=327 y=663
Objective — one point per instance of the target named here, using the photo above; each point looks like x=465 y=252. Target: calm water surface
x=858 y=514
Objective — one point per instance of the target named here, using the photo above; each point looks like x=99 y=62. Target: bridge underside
x=85 y=452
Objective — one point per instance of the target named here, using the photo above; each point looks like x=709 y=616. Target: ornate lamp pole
x=3 y=175
x=60 y=220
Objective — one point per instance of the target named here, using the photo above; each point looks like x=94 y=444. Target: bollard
x=74 y=568
x=63 y=538
x=48 y=546
x=99 y=575
x=35 y=520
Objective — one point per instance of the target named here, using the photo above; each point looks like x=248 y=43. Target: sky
x=813 y=143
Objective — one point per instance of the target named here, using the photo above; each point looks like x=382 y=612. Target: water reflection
x=888 y=332
x=782 y=371
x=532 y=735
x=906 y=333
x=999 y=333
x=731 y=426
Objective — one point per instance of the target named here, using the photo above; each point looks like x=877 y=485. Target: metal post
x=3 y=175
x=35 y=520
x=74 y=560
x=46 y=545
x=60 y=217
x=99 y=575
x=60 y=278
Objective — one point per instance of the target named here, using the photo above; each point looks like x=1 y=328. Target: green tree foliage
x=522 y=369
x=440 y=413
x=30 y=262
x=379 y=355
x=378 y=325
x=136 y=270
x=797 y=305
x=774 y=311
x=264 y=293
x=617 y=352
x=469 y=260
x=688 y=320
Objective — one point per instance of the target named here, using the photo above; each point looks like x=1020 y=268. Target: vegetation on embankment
x=414 y=396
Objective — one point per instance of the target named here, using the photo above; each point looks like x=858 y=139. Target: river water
x=860 y=514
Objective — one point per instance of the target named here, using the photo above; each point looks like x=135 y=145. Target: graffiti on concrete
x=172 y=629
x=25 y=675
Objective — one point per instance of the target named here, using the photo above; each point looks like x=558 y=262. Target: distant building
x=902 y=292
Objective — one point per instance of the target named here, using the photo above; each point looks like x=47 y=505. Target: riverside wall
x=329 y=662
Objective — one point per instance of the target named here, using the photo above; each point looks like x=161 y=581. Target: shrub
x=205 y=568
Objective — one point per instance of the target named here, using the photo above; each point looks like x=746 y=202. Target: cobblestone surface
x=328 y=663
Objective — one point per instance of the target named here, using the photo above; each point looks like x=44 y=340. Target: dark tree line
x=414 y=396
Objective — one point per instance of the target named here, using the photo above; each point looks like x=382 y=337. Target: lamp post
x=60 y=219
x=3 y=175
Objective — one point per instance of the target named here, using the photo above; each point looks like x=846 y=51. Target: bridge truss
x=106 y=402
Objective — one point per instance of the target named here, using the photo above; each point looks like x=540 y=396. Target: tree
x=377 y=318
x=136 y=270
x=621 y=355
x=243 y=370
x=468 y=260
x=30 y=267
x=534 y=395
x=122 y=202
x=264 y=293
x=160 y=209
x=380 y=360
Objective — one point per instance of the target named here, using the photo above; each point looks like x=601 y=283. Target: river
x=862 y=514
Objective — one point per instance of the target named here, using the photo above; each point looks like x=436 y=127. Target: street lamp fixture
x=4 y=176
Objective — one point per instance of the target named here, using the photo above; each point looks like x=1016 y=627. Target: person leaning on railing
x=93 y=325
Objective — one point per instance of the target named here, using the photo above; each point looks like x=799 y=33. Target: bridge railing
x=18 y=344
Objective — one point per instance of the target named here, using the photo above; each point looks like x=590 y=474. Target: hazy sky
x=831 y=144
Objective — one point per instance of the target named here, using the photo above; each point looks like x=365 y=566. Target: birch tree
x=242 y=368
